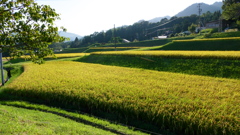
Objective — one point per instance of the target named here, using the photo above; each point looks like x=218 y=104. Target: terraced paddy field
x=181 y=92
x=184 y=104
x=211 y=44
x=224 y=64
x=178 y=54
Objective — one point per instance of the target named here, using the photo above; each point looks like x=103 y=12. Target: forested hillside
x=142 y=30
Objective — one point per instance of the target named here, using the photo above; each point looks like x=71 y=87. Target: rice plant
x=186 y=104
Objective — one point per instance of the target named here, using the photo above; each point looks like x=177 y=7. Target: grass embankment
x=24 y=121
x=16 y=70
x=18 y=117
x=211 y=44
x=185 y=104
x=208 y=63
x=225 y=34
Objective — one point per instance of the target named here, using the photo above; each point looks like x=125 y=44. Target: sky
x=84 y=17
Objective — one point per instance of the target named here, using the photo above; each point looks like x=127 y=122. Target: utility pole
x=199 y=13
x=220 y=24
x=114 y=35
x=1 y=64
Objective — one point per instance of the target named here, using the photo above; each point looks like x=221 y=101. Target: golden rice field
x=115 y=47
x=67 y=55
x=60 y=55
x=183 y=103
x=179 y=54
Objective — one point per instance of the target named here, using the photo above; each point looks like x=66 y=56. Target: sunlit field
x=68 y=55
x=186 y=104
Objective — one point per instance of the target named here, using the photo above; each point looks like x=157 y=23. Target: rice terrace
x=180 y=83
x=127 y=86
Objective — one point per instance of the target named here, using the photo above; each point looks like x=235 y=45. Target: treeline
x=142 y=30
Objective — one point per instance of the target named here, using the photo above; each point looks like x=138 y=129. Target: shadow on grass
x=15 y=61
x=206 y=67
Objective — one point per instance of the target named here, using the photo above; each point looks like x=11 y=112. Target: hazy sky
x=84 y=17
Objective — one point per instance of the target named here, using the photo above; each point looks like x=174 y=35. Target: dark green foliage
x=28 y=28
x=192 y=28
x=207 y=67
x=208 y=17
x=75 y=43
x=231 y=11
x=62 y=45
x=228 y=3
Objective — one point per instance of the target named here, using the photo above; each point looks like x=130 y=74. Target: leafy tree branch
x=27 y=28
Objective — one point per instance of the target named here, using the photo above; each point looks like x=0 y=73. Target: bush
x=209 y=31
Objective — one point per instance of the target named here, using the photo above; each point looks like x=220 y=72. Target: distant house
x=186 y=32
x=57 y=50
x=168 y=32
x=213 y=24
x=126 y=41
x=159 y=37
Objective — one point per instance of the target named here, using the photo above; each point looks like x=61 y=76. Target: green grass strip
x=96 y=123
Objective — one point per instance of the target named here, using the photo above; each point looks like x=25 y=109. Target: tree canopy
x=27 y=28
x=231 y=12
x=192 y=28
x=228 y=3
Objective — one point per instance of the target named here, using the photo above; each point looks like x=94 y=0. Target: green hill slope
x=212 y=44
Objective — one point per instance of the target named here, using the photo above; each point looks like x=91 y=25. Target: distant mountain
x=217 y=4
x=72 y=36
x=158 y=19
x=193 y=9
